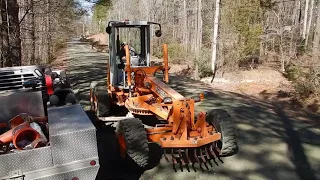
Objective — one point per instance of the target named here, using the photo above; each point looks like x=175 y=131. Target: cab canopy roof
x=127 y=23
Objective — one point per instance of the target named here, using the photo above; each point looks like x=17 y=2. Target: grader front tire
x=222 y=122
x=136 y=141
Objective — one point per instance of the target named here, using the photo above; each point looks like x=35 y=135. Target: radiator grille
x=13 y=78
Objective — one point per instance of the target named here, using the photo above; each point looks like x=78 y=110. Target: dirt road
x=273 y=144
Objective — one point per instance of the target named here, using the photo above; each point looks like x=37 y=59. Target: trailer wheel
x=100 y=101
x=133 y=141
x=222 y=122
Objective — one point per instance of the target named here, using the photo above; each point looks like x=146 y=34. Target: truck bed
x=72 y=151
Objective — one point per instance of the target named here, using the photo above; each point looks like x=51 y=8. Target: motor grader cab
x=184 y=136
x=117 y=56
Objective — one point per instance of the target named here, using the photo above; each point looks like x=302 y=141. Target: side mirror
x=158 y=33
x=108 y=30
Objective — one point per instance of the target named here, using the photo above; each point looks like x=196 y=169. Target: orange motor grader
x=134 y=84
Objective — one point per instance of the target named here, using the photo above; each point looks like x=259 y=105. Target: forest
x=241 y=78
x=213 y=37
x=222 y=36
x=33 y=31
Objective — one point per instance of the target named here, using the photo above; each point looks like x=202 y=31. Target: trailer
x=44 y=132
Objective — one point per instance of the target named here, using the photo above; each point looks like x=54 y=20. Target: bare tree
x=32 y=30
x=198 y=37
x=48 y=29
x=305 y=20
x=14 y=33
x=249 y=31
x=1 y=59
x=215 y=38
x=316 y=39
x=309 y=23
x=5 y=36
x=11 y=47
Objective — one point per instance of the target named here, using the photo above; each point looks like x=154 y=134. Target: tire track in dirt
x=267 y=147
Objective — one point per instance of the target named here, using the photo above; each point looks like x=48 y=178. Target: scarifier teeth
x=212 y=151
x=174 y=160
x=185 y=156
x=202 y=157
x=165 y=156
x=188 y=159
x=196 y=156
x=207 y=156
x=217 y=150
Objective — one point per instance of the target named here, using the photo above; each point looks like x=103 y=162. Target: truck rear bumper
x=84 y=169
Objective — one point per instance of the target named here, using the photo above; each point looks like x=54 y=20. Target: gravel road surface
x=272 y=143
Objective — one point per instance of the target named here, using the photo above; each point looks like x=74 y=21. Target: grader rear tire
x=101 y=101
x=223 y=123
x=135 y=141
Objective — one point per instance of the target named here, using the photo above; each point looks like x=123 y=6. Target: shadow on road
x=262 y=126
x=112 y=166
x=273 y=144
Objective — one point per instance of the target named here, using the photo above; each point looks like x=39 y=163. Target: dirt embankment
x=100 y=39
x=264 y=83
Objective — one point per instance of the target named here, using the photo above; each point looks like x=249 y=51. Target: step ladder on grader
x=184 y=137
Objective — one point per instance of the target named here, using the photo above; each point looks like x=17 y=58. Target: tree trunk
x=23 y=30
x=215 y=38
x=14 y=34
x=316 y=37
x=6 y=61
x=199 y=33
x=49 y=31
x=282 y=56
x=305 y=20
x=1 y=60
x=295 y=26
x=185 y=26
x=32 y=33
x=309 y=23
x=198 y=36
